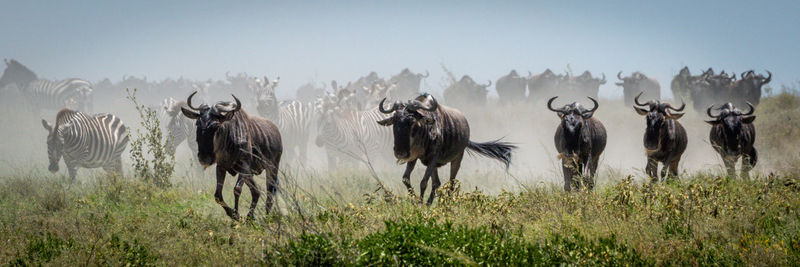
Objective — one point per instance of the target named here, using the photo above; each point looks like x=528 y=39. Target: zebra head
x=55 y=142
x=178 y=126
x=265 y=96
x=208 y=121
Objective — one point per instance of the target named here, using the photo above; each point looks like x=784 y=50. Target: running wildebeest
x=638 y=82
x=239 y=144
x=436 y=135
x=664 y=139
x=580 y=140
x=732 y=135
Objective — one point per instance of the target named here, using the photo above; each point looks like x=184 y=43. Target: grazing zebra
x=88 y=141
x=350 y=134
x=293 y=118
x=43 y=94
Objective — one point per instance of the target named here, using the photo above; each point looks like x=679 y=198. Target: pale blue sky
x=343 y=40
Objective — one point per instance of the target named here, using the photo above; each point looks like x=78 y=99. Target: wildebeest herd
x=348 y=121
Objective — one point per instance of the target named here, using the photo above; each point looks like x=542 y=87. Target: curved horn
x=189 y=101
x=490 y=83
x=596 y=105
x=636 y=99
x=384 y=111
x=434 y=104
x=426 y=74
x=742 y=74
x=604 y=78
x=708 y=111
x=683 y=105
x=550 y=105
x=618 y=75
x=238 y=103
x=752 y=109
x=769 y=78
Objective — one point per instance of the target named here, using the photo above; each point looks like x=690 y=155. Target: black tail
x=494 y=149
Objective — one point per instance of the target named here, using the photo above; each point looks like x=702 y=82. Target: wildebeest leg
x=652 y=169
x=237 y=190
x=730 y=164
x=218 y=194
x=749 y=161
x=673 y=169
x=567 y=169
x=592 y=172
x=434 y=185
x=424 y=183
x=272 y=184
x=455 y=165
x=254 y=193
x=407 y=176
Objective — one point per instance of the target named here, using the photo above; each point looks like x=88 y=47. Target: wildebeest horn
x=490 y=83
x=550 y=105
x=419 y=104
x=238 y=105
x=384 y=111
x=636 y=100
x=426 y=74
x=742 y=74
x=618 y=75
x=708 y=111
x=604 y=78
x=189 y=101
x=596 y=105
x=769 y=78
x=683 y=105
x=752 y=109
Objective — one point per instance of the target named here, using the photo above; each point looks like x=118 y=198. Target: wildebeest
x=638 y=82
x=585 y=85
x=408 y=84
x=511 y=88
x=435 y=135
x=681 y=83
x=239 y=144
x=543 y=84
x=664 y=138
x=580 y=140
x=748 y=87
x=732 y=135
x=466 y=93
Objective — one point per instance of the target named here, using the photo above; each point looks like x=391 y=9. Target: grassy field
x=345 y=218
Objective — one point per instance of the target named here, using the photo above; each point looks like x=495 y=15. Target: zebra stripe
x=87 y=141
x=70 y=93
x=355 y=132
x=294 y=120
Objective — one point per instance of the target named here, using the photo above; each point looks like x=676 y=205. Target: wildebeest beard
x=573 y=134
x=731 y=130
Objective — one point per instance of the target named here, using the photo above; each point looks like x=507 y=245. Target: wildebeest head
x=685 y=72
x=208 y=121
x=55 y=142
x=573 y=115
x=410 y=120
x=757 y=80
x=17 y=73
x=731 y=120
x=657 y=114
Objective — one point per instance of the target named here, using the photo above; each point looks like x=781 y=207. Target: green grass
x=339 y=218
x=702 y=220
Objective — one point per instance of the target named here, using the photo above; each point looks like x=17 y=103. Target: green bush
x=159 y=168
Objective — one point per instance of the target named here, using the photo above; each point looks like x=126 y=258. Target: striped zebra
x=41 y=94
x=351 y=134
x=293 y=118
x=179 y=127
x=88 y=141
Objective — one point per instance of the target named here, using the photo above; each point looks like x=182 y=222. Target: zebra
x=293 y=118
x=179 y=127
x=40 y=94
x=88 y=141
x=349 y=133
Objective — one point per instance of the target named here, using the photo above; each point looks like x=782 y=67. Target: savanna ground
x=346 y=217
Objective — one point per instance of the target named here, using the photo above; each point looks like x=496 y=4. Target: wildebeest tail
x=494 y=149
